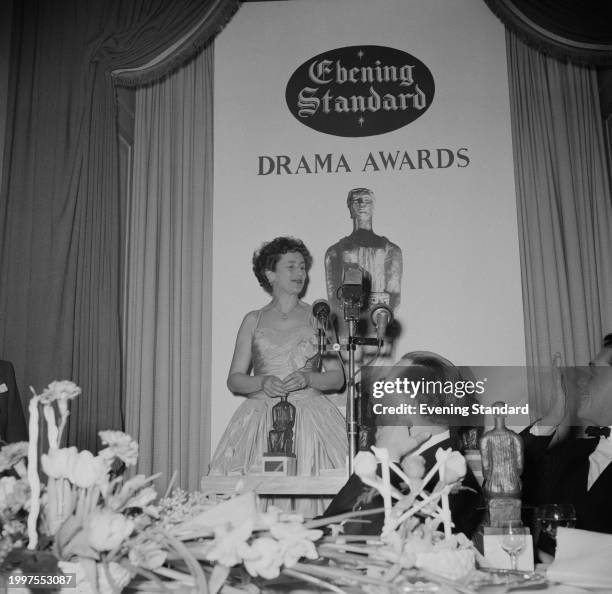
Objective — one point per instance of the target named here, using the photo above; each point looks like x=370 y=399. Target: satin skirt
x=319 y=442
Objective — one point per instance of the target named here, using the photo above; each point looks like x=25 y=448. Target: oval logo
x=361 y=90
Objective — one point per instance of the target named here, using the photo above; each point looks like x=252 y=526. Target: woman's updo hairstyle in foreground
x=268 y=255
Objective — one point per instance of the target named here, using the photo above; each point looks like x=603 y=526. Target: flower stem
x=313 y=580
x=33 y=477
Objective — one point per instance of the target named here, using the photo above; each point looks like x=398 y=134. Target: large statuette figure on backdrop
x=502 y=465
x=379 y=259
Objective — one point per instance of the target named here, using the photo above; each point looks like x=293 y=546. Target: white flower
x=452 y=565
x=295 y=541
x=106 y=530
x=294 y=550
x=294 y=531
x=7 y=487
x=12 y=454
x=230 y=545
x=264 y=558
x=452 y=466
x=14 y=496
x=121 y=445
x=86 y=470
x=59 y=462
x=414 y=466
x=267 y=519
x=60 y=390
x=365 y=465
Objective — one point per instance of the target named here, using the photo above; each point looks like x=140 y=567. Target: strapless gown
x=319 y=434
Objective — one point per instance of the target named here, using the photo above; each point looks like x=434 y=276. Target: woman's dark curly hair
x=268 y=255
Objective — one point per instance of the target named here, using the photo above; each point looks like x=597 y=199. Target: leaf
x=91 y=572
x=218 y=577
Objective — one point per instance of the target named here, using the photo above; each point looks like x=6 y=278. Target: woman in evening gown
x=271 y=359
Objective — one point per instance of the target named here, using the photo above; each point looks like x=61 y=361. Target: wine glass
x=549 y=517
x=514 y=539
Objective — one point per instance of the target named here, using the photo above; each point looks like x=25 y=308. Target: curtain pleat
x=169 y=239
x=564 y=209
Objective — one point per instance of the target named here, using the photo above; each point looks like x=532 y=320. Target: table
x=326 y=485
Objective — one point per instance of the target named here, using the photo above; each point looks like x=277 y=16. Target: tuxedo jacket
x=559 y=475
x=466 y=505
x=12 y=420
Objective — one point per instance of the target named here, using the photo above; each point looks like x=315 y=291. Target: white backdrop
x=461 y=293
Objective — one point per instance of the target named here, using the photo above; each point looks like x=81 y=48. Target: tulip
x=452 y=466
x=58 y=462
x=86 y=469
x=107 y=530
x=414 y=466
x=365 y=465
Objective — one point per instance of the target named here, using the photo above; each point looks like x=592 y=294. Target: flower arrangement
x=86 y=509
x=94 y=511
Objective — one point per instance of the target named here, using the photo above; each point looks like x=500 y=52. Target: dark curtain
x=569 y=30
x=60 y=217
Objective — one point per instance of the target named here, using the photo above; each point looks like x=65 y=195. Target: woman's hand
x=273 y=386
x=298 y=380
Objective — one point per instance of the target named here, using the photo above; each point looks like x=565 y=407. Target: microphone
x=321 y=310
x=381 y=317
x=352 y=284
x=351 y=292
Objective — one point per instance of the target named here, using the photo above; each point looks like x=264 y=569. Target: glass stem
x=513 y=563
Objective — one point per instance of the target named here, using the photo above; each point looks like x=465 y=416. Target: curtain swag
x=567 y=30
x=217 y=16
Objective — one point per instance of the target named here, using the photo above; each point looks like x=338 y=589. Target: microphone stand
x=352 y=306
x=351 y=421
x=351 y=391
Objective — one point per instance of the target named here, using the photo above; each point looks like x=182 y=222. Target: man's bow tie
x=597 y=431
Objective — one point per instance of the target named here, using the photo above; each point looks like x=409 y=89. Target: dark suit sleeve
x=535 y=446
x=344 y=501
x=352 y=498
x=467 y=505
x=12 y=420
x=536 y=467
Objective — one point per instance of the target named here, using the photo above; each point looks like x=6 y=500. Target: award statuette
x=280 y=459
x=502 y=465
x=502 y=455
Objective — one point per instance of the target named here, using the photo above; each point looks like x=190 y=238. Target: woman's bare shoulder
x=251 y=319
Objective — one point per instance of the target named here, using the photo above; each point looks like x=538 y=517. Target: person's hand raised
x=557 y=409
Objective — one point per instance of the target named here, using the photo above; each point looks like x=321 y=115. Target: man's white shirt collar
x=599 y=459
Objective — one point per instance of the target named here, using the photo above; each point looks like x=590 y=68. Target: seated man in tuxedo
x=576 y=470
x=414 y=434
x=12 y=420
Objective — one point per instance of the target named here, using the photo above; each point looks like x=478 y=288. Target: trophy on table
x=280 y=459
x=502 y=465
x=502 y=455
